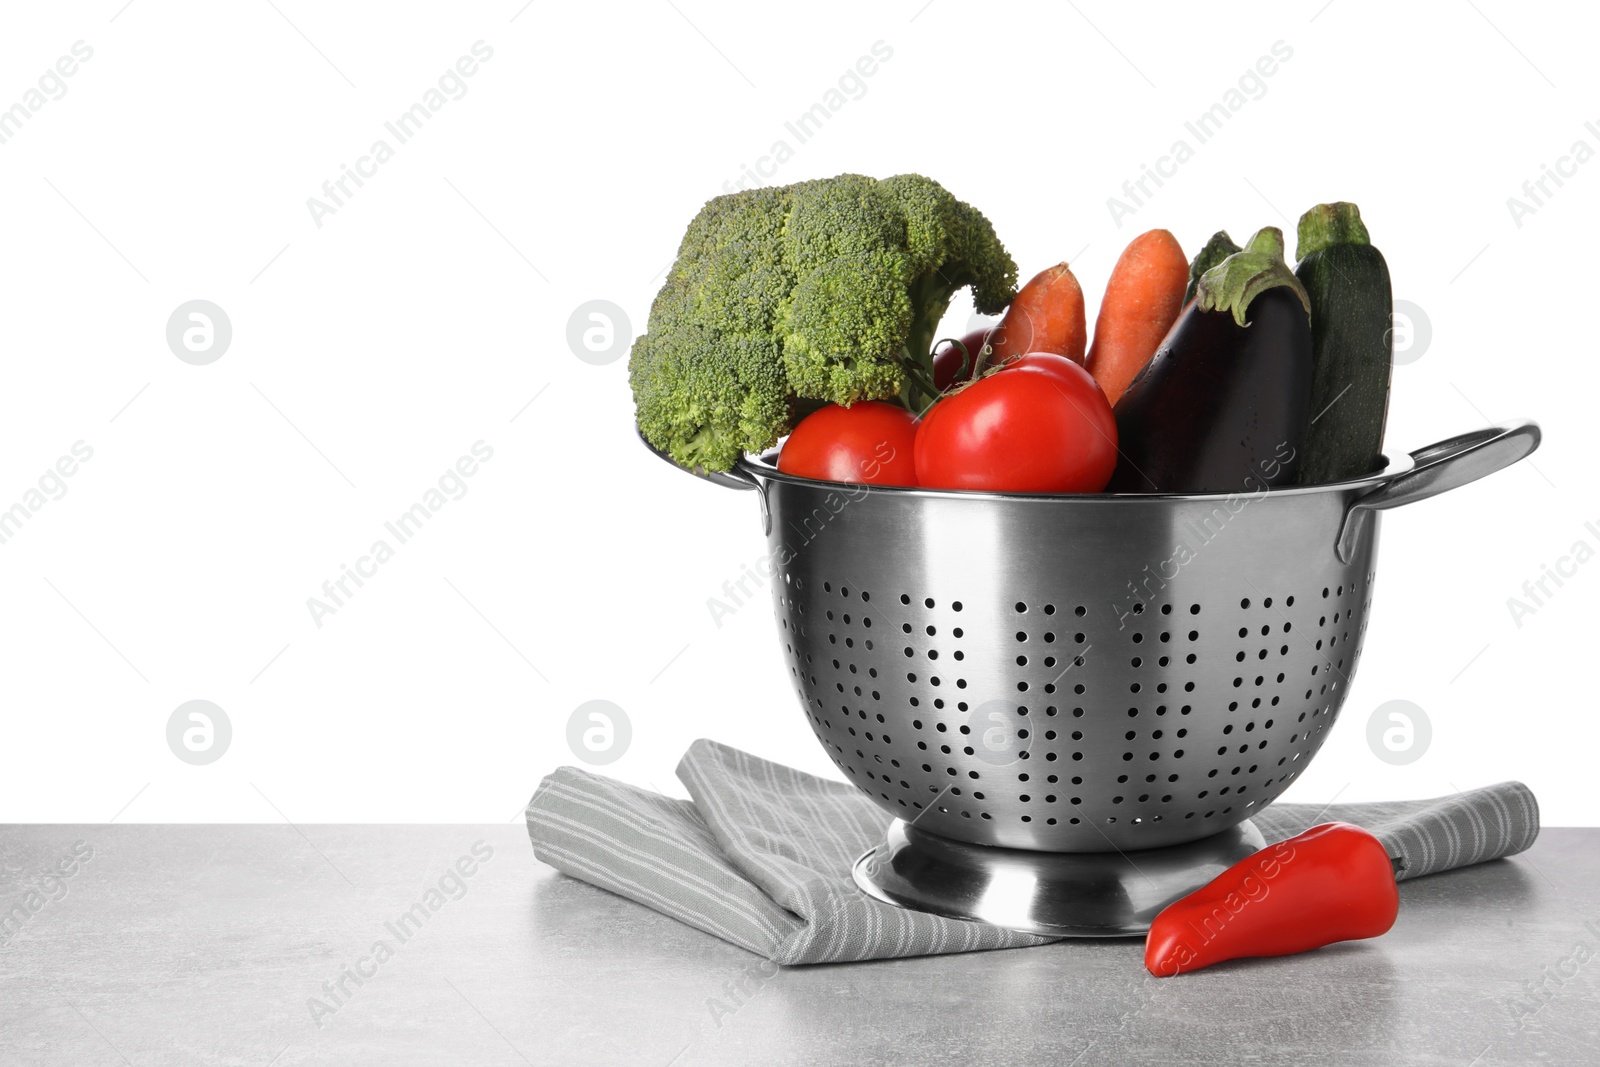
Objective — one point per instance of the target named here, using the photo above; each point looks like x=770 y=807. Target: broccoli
x=822 y=291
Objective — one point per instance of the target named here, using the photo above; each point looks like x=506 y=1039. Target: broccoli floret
x=729 y=396
x=826 y=290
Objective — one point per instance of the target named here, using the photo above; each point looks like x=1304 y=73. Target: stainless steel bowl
x=1083 y=673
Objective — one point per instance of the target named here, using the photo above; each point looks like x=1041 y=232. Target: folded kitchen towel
x=761 y=855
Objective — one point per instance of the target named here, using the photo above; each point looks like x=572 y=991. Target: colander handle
x=1439 y=468
x=737 y=478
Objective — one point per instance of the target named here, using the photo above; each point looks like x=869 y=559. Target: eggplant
x=1223 y=405
x=1352 y=343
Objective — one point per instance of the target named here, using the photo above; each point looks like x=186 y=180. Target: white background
x=368 y=354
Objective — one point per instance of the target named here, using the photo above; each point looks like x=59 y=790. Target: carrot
x=1046 y=316
x=1143 y=299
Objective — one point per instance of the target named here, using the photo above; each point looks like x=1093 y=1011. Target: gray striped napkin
x=761 y=855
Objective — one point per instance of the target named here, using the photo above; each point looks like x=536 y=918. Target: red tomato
x=870 y=442
x=1042 y=425
x=948 y=366
x=1050 y=363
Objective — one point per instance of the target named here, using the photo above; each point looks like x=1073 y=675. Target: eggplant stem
x=1231 y=285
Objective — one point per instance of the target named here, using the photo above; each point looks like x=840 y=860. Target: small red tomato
x=949 y=365
x=1042 y=425
x=869 y=442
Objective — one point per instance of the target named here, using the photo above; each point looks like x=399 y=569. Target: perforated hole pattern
x=1052 y=724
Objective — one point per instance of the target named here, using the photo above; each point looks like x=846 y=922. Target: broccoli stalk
x=931 y=297
x=784 y=298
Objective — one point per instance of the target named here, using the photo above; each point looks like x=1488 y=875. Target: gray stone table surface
x=230 y=944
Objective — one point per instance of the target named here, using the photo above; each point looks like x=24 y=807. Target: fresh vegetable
x=1048 y=363
x=869 y=442
x=954 y=363
x=1046 y=316
x=1142 y=301
x=1222 y=405
x=1219 y=248
x=824 y=290
x=1335 y=882
x=1040 y=426
x=1351 y=343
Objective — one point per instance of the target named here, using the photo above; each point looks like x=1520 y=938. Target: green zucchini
x=1219 y=248
x=1351 y=343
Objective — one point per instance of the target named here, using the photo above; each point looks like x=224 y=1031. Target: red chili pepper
x=1335 y=882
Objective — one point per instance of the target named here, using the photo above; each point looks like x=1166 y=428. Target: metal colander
x=1083 y=673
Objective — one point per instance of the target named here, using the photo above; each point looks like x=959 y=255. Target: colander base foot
x=1056 y=894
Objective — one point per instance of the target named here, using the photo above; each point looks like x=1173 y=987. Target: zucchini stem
x=1330 y=224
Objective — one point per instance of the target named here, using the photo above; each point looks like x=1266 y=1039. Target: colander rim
x=765 y=467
